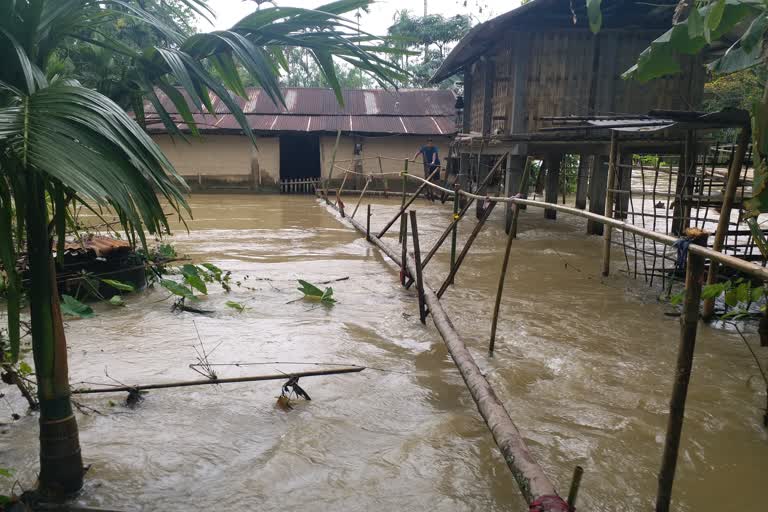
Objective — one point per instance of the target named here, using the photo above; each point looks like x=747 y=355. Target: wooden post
x=525 y=181
x=404 y=242
x=368 y=224
x=386 y=181
x=623 y=184
x=694 y=276
x=612 y=171
x=333 y=164
x=553 y=183
x=512 y=183
x=597 y=185
x=582 y=181
x=734 y=173
x=417 y=259
x=573 y=493
x=465 y=250
x=404 y=180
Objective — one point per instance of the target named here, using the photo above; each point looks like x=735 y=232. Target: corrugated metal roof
x=412 y=111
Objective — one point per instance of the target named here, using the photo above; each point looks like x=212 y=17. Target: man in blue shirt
x=431 y=160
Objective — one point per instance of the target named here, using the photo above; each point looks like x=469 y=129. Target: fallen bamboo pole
x=207 y=382
x=534 y=485
x=613 y=158
x=734 y=174
x=689 y=322
x=417 y=261
x=465 y=250
x=406 y=204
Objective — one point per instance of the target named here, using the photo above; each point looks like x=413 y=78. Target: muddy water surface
x=583 y=364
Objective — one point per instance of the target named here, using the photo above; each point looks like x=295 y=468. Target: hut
x=296 y=141
x=540 y=63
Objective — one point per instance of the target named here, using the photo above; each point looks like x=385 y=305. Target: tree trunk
x=61 y=466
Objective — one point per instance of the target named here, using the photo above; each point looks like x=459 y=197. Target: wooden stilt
x=512 y=184
x=597 y=185
x=465 y=250
x=341 y=189
x=623 y=185
x=552 y=183
x=612 y=171
x=582 y=182
x=524 y=187
x=689 y=320
x=573 y=493
x=417 y=260
x=454 y=224
x=404 y=180
x=681 y=213
x=734 y=173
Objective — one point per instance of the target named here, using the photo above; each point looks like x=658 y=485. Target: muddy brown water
x=584 y=365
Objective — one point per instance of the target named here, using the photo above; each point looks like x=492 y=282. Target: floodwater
x=584 y=365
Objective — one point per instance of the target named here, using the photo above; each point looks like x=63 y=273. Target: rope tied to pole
x=690 y=235
x=550 y=503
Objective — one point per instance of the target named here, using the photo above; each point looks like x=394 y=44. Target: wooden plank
x=582 y=182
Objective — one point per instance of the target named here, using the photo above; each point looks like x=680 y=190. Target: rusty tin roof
x=376 y=111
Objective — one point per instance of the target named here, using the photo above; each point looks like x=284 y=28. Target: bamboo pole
x=530 y=478
x=453 y=226
x=404 y=242
x=524 y=191
x=573 y=493
x=725 y=214
x=689 y=320
x=341 y=189
x=733 y=262
x=333 y=163
x=417 y=260
x=206 y=382
x=404 y=179
x=465 y=250
x=609 y=202
x=406 y=204
x=511 y=236
x=362 y=194
x=386 y=181
x=368 y=224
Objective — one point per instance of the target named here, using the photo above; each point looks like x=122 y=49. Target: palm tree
x=61 y=142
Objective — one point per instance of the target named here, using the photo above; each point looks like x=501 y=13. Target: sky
x=377 y=20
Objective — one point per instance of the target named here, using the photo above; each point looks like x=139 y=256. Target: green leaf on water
x=24 y=369
x=178 y=289
x=236 y=306
x=192 y=278
x=677 y=298
x=312 y=292
x=116 y=300
x=7 y=473
x=73 y=307
x=214 y=269
x=119 y=285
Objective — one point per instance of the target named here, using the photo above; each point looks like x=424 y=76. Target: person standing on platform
x=431 y=160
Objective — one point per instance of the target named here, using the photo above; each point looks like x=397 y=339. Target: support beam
x=512 y=181
x=582 y=181
x=417 y=262
x=597 y=185
x=689 y=320
x=407 y=203
x=734 y=173
x=681 y=213
x=552 y=183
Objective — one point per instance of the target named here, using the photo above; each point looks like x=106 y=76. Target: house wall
x=231 y=160
x=223 y=159
x=394 y=148
x=573 y=72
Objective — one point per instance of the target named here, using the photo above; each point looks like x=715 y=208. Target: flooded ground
x=583 y=364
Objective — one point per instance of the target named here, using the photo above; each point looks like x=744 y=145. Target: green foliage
x=72 y=307
x=178 y=289
x=237 y=306
x=192 y=278
x=312 y=292
x=738 y=296
x=119 y=285
x=424 y=42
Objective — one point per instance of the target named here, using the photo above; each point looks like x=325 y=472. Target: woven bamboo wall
x=573 y=72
